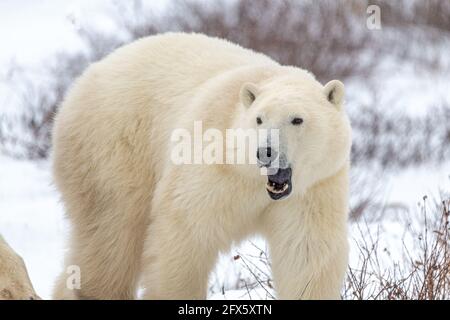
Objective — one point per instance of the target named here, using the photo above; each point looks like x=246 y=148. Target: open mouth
x=279 y=185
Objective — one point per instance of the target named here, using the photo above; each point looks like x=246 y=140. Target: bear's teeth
x=271 y=188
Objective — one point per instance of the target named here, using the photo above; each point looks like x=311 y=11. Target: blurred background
x=393 y=56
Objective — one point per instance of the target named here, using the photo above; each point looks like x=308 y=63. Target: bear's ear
x=248 y=94
x=334 y=91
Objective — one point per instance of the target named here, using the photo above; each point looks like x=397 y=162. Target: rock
x=15 y=283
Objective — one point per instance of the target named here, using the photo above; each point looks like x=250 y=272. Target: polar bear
x=139 y=218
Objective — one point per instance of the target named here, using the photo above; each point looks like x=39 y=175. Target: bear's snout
x=266 y=155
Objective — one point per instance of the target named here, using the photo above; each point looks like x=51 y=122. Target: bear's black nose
x=266 y=155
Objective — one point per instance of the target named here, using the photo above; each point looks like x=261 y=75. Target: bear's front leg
x=309 y=253
x=177 y=263
x=181 y=246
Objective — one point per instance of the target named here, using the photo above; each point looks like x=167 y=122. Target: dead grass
x=422 y=272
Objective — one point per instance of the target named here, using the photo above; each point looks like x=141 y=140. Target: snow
x=43 y=27
x=410 y=185
x=405 y=90
x=31 y=219
x=40 y=25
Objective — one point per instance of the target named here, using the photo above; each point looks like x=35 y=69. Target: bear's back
x=172 y=64
x=186 y=54
x=157 y=74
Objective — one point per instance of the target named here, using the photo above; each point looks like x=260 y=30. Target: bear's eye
x=297 y=121
x=258 y=120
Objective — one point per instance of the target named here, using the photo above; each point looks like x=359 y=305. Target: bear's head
x=304 y=134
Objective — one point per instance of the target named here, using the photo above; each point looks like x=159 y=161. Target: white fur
x=134 y=213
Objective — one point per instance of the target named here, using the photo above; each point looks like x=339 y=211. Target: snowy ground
x=31 y=219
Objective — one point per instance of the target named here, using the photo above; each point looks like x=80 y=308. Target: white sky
x=31 y=30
